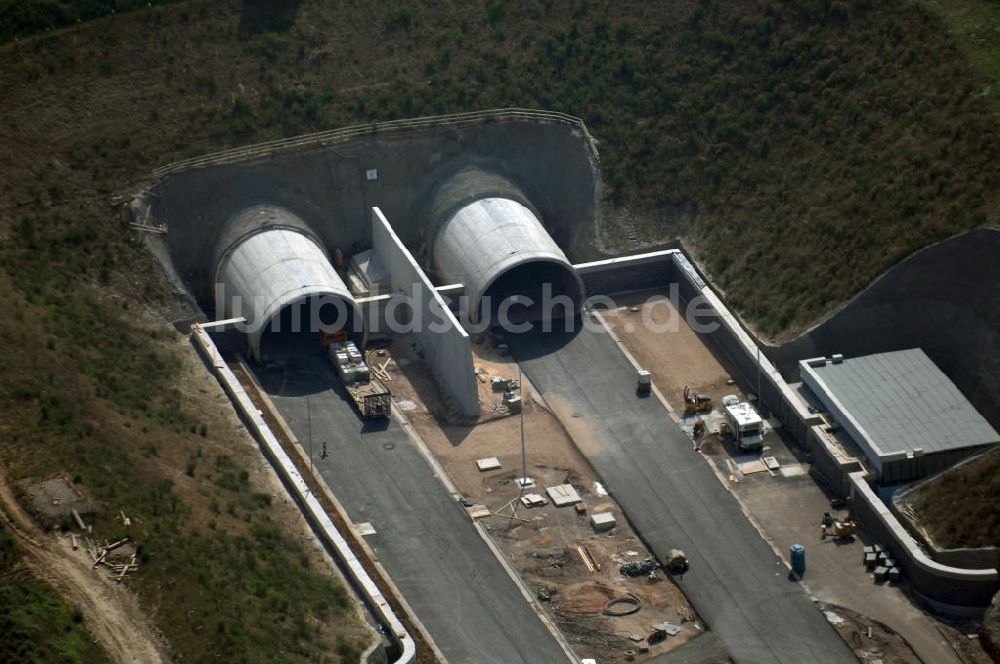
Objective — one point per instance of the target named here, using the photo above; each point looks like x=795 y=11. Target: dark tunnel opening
x=299 y=327
x=531 y=292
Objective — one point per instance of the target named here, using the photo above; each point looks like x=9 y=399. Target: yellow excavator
x=696 y=403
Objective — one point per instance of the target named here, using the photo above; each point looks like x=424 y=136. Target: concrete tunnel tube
x=499 y=249
x=272 y=270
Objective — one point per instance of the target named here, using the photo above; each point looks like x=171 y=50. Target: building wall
x=446 y=345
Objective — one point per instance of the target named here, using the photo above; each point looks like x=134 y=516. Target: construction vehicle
x=839 y=530
x=744 y=424
x=696 y=403
x=677 y=562
x=643 y=382
x=370 y=395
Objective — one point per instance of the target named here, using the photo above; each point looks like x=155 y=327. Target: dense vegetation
x=799 y=148
x=38 y=627
x=27 y=17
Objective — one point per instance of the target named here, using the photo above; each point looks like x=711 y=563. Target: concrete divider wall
x=318 y=520
x=446 y=344
x=951 y=590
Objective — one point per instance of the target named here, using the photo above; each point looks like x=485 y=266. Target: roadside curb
x=342 y=513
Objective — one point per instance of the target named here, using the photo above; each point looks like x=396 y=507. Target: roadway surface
x=470 y=606
x=674 y=500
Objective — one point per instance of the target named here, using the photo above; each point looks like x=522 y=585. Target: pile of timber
x=104 y=555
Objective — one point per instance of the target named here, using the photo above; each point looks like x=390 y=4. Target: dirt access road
x=111 y=612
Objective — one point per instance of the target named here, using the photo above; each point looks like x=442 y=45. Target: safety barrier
x=314 y=512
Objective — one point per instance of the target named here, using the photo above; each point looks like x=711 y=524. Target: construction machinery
x=677 y=562
x=643 y=382
x=370 y=395
x=696 y=403
x=837 y=528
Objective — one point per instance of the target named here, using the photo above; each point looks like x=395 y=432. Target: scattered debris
x=663 y=630
x=630 y=602
x=635 y=568
x=478 y=511
x=599 y=489
x=751 y=467
x=78 y=519
x=586 y=560
x=365 y=529
x=593 y=559
x=118 y=557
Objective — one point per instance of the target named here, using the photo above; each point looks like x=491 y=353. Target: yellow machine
x=837 y=529
x=696 y=403
x=328 y=337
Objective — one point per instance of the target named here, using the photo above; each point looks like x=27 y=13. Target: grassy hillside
x=959 y=507
x=799 y=147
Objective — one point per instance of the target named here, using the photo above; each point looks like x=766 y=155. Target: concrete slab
x=488 y=463
x=563 y=495
x=602 y=521
x=470 y=606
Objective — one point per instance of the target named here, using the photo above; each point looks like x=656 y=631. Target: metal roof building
x=901 y=410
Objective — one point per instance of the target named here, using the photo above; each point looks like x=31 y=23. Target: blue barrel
x=798 y=558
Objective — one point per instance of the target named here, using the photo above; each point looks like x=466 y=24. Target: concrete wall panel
x=447 y=346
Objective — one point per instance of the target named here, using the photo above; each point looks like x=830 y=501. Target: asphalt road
x=472 y=609
x=674 y=500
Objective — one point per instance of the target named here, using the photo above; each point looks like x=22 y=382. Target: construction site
x=519 y=449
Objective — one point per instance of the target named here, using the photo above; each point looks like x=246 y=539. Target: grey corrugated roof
x=903 y=402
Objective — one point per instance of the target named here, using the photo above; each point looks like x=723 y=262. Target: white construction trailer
x=745 y=425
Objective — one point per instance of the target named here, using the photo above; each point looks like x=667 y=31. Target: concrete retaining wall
x=320 y=523
x=324 y=180
x=944 y=299
x=829 y=464
x=447 y=346
x=730 y=337
x=947 y=589
x=628 y=273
